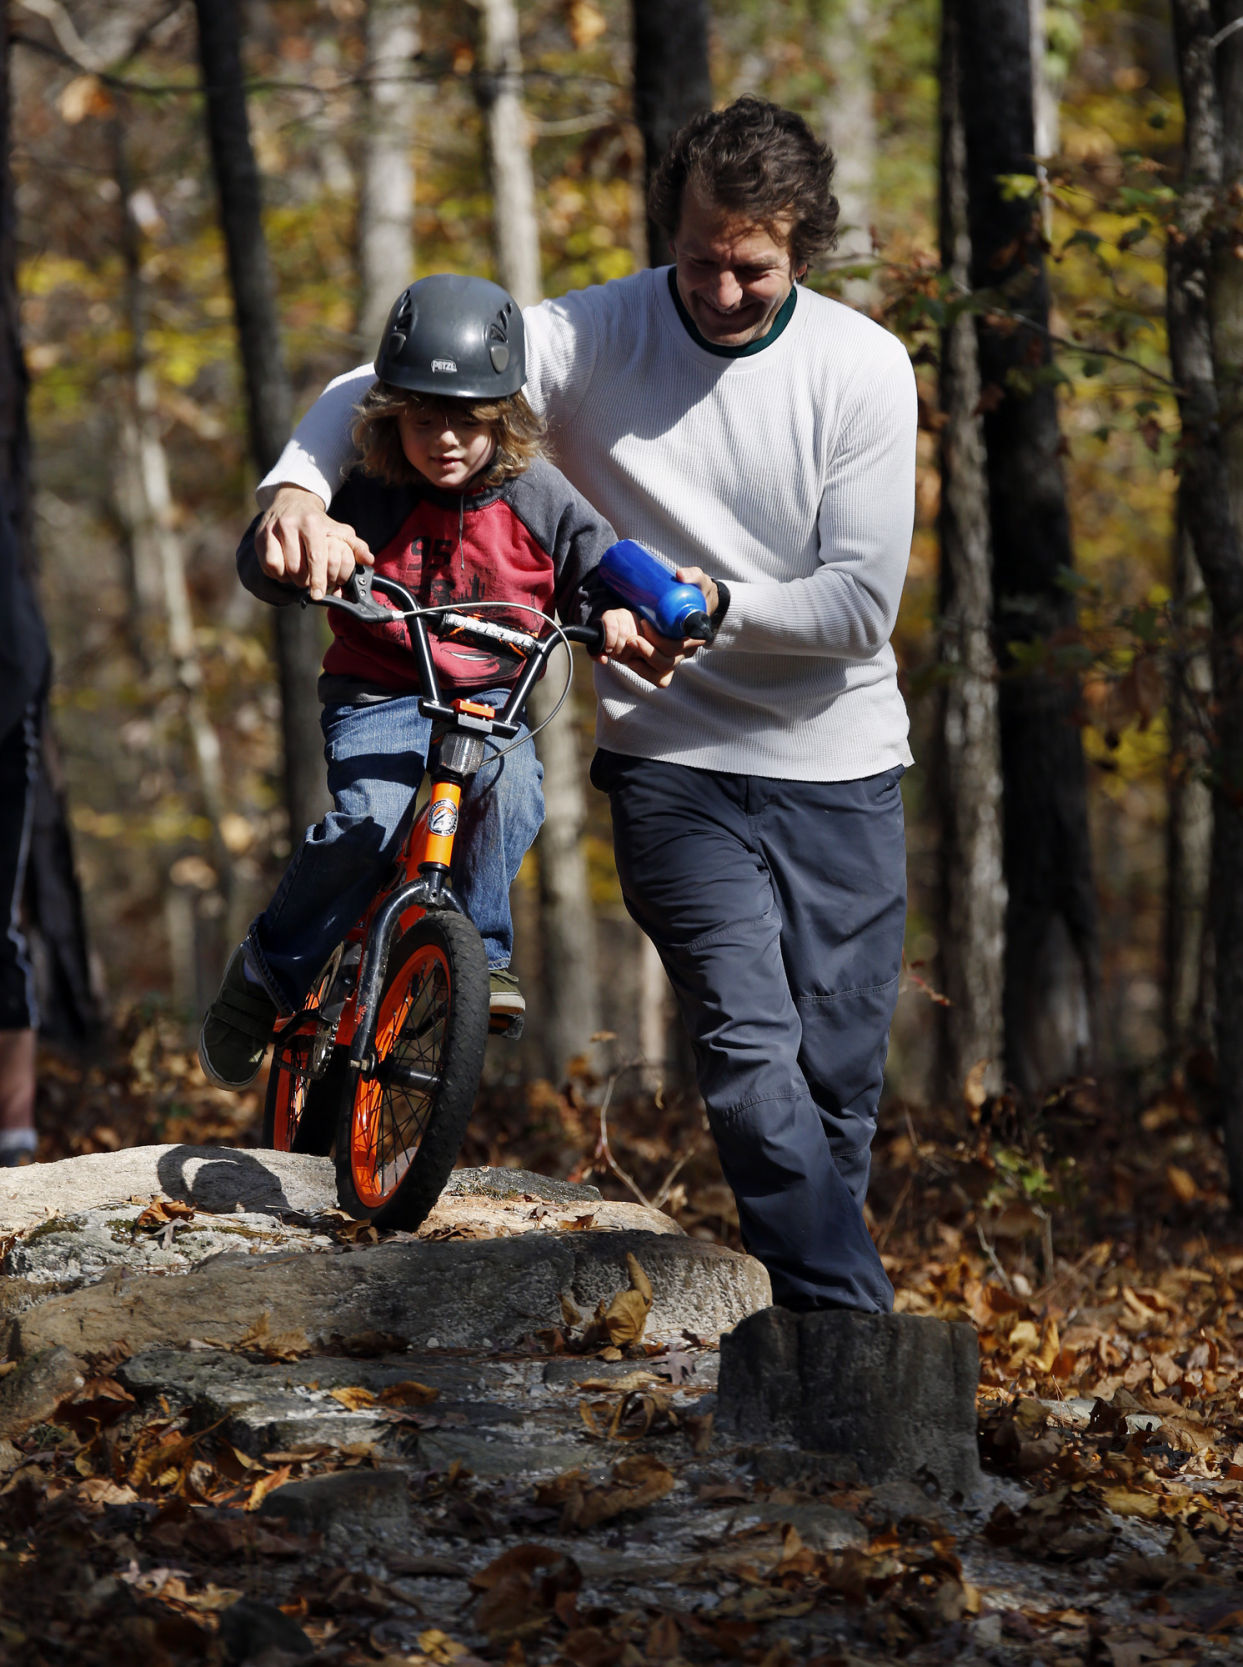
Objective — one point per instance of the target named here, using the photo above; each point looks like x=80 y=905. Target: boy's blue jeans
x=377 y=754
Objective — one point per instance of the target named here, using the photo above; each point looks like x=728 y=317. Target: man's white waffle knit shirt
x=789 y=473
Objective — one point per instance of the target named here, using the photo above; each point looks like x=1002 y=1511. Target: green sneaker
x=237 y=1028
x=506 y=1006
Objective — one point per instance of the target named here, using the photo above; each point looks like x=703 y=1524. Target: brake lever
x=357 y=599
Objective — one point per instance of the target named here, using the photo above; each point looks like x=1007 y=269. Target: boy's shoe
x=506 y=1007
x=237 y=1028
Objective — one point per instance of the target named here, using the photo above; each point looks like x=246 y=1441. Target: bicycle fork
x=426 y=887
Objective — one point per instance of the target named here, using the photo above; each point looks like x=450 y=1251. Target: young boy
x=450 y=492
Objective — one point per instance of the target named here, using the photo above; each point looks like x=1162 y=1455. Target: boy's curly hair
x=759 y=161
x=517 y=431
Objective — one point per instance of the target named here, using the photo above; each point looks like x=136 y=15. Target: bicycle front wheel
x=401 y=1128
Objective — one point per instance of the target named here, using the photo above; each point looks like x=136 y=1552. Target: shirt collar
x=779 y=323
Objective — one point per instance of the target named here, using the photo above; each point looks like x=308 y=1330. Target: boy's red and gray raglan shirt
x=532 y=540
x=789 y=473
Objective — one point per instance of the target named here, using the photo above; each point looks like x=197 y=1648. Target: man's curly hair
x=759 y=161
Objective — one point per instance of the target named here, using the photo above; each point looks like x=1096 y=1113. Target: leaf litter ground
x=1091 y=1245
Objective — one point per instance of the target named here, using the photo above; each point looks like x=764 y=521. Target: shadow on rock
x=218 y=1180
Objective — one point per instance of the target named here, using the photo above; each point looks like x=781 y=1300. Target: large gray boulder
x=219 y=1179
x=893 y=1393
x=267 y=1197
x=450 y=1294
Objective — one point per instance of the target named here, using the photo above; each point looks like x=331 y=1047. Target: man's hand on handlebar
x=630 y=641
x=298 y=542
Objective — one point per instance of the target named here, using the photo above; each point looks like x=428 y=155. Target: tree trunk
x=847 y=119
x=568 y=947
x=1227 y=289
x=148 y=522
x=672 y=83
x=1052 y=957
x=268 y=398
x=1046 y=101
x=1204 y=311
x=499 y=90
x=653 y=1009
x=69 y=1005
x=968 y=773
x=386 y=187
x=1187 y=971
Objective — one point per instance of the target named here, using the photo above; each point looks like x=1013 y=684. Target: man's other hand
x=697 y=576
x=629 y=641
x=298 y=542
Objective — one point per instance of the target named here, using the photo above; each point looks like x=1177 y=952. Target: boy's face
x=733 y=276
x=444 y=443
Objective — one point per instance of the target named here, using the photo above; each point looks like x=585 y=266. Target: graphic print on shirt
x=450 y=556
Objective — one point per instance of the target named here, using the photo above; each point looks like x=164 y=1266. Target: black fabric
x=23 y=640
x=19 y=770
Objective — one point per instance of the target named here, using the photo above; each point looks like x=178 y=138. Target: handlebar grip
x=591 y=636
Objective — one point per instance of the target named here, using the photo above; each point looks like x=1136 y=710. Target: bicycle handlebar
x=357 y=601
x=535 y=651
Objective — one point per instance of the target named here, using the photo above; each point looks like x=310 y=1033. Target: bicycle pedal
x=505 y=1025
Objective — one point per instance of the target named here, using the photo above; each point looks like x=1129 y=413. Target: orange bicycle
x=384 y=1060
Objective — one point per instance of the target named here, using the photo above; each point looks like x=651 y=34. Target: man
x=762 y=440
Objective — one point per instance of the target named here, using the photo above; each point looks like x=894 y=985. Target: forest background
x=166 y=706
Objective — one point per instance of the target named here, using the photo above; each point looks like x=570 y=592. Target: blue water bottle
x=647 y=585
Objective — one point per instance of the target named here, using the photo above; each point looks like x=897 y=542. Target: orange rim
x=291 y=1089
x=389 y=1119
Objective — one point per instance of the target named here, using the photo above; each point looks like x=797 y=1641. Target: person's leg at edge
x=695 y=879
x=19 y=1017
x=17 y=1096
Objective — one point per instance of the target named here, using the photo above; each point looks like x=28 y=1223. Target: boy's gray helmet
x=458 y=337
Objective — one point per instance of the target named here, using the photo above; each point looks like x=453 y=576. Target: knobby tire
x=397 y=1144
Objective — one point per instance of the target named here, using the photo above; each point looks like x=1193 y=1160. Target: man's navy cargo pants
x=778 y=910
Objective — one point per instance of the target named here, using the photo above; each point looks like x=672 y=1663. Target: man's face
x=733 y=276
